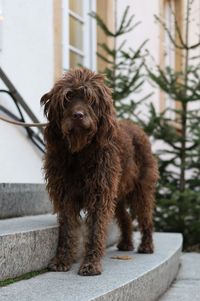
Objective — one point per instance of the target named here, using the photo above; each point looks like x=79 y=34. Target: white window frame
x=89 y=35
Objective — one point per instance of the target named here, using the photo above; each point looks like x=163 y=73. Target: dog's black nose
x=78 y=115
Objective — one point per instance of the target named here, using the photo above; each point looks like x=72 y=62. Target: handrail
x=36 y=138
x=16 y=95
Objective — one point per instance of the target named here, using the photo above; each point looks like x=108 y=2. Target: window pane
x=76 y=6
x=76 y=33
x=75 y=60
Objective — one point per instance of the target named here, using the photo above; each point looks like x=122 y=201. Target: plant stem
x=115 y=47
x=184 y=106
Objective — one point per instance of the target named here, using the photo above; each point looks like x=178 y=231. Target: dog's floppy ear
x=45 y=101
x=107 y=119
x=106 y=130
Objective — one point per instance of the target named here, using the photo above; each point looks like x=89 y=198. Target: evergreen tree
x=178 y=197
x=178 y=193
x=124 y=66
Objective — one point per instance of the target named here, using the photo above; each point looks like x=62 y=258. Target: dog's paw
x=58 y=265
x=146 y=249
x=125 y=246
x=89 y=269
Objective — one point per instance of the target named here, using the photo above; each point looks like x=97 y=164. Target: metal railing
x=36 y=136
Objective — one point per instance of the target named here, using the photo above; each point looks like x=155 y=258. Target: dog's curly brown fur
x=98 y=164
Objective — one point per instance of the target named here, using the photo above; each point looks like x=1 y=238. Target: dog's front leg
x=67 y=241
x=101 y=207
x=97 y=224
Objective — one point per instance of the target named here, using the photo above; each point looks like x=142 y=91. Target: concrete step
x=186 y=287
x=142 y=278
x=28 y=243
x=23 y=199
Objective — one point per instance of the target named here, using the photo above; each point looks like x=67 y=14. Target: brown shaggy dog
x=98 y=164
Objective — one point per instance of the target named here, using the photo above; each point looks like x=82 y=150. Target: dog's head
x=80 y=108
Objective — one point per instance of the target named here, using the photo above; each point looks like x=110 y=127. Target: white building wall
x=148 y=30
x=144 y=11
x=27 y=58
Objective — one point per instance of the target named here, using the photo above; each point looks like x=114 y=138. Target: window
x=79 y=34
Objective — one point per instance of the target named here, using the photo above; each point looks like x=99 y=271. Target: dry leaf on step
x=123 y=257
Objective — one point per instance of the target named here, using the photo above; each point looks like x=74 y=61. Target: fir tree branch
x=168 y=32
x=102 y=24
x=104 y=58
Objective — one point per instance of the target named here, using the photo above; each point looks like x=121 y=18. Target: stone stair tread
x=187 y=284
x=28 y=243
x=145 y=277
x=27 y=223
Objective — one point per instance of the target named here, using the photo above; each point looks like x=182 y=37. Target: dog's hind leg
x=124 y=221
x=144 y=205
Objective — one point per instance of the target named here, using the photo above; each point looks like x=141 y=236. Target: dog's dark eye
x=92 y=105
x=66 y=102
x=69 y=95
x=67 y=98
